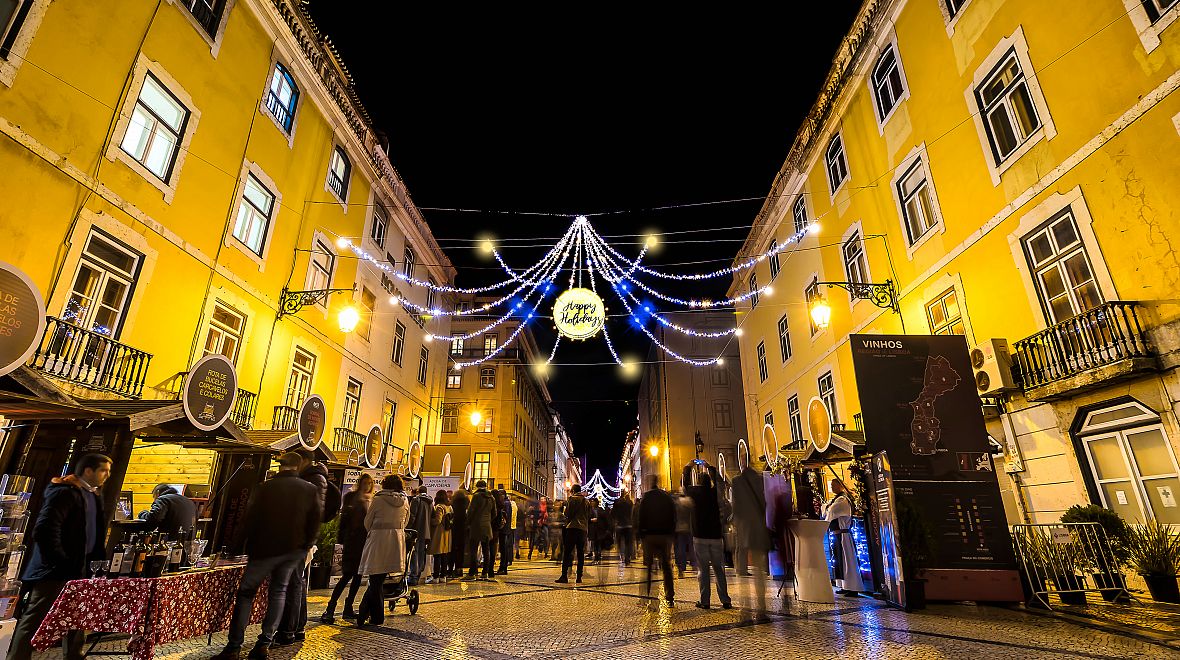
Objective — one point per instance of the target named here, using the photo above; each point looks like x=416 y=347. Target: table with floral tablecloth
x=151 y=610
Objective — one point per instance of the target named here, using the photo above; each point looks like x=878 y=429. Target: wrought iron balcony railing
x=1101 y=336
x=478 y=352
x=245 y=407
x=285 y=418
x=346 y=440
x=91 y=359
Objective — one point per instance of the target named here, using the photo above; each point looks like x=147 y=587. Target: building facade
x=174 y=170
x=1012 y=169
x=501 y=407
x=679 y=402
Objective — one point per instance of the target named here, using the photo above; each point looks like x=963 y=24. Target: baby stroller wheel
x=412 y=601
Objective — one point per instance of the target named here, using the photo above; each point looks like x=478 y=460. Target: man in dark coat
x=281 y=525
x=708 y=541
x=70 y=531
x=656 y=527
x=421 y=509
x=573 y=535
x=171 y=512
x=751 y=538
x=295 y=618
x=622 y=513
x=459 y=503
x=480 y=513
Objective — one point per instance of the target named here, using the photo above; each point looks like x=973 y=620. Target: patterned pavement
x=526 y=615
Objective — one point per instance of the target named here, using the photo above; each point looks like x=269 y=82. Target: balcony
x=285 y=418
x=346 y=440
x=1104 y=344
x=91 y=359
x=474 y=353
x=245 y=407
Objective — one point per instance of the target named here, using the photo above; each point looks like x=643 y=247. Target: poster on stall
x=22 y=318
x=435 y=484
x=919 y=404
x=209 y=391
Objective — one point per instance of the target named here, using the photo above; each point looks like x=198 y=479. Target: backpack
x=332 y=501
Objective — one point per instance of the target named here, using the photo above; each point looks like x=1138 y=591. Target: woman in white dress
x=838 y=510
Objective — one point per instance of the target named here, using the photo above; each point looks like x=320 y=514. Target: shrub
x=1116 y=529
x=1154 y=549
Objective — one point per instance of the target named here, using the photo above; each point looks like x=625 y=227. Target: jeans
x=442 y=566
x=507 y=540
x=373 y=602
x=279 y=569
x=658 y=548
x=39 y=599
x=489 y=557
x=418 y=561
x=295 y=613
x=711 y=555
x=683 y=550
x=353 y=582
x=623 y=540
x=573 y=540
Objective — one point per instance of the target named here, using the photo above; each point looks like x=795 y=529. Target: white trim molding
x=1149 y=33
x=10 y=64
x=917 y=154
x=248 y=168
x=887 y=40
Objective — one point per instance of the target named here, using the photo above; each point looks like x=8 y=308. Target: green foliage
x=327 y=541
x=1154 y=549
x=1116 y=529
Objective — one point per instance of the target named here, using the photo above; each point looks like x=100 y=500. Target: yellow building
x=1013 y=169
x=171 y=172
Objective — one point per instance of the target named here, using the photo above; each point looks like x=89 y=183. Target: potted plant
x=1108 y=576
x=1066 y=561
x=1031 y=547
x=915 y=544
x=321 y=564
x=1154 y=551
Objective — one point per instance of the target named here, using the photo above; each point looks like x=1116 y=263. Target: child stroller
x=397 y=586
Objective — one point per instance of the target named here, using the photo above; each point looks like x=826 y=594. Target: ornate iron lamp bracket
x=290 y=302
x=882 y=295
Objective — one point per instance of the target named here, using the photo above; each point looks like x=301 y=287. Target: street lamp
x=882 y=295
x=700 y=445
x=821 y=313
x=476 y=418
x=348 y=318
x=654 y=450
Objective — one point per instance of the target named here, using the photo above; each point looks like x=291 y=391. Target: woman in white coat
x=385 y=547
x=838 y=511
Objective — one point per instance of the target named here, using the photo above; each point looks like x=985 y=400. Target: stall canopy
x=283 y=441
x=25 y=394
x=845 y=446
x=163 y=420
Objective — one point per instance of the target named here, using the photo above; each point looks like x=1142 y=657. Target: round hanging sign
x=769 y=446
x=310 y=426
x=374 y=446
x=467 y=476
x=743 y=455
x=819 y=424
x=579 y=314
x=22 y=318
x=209 y=391
x=414 y=459
x=446 y=465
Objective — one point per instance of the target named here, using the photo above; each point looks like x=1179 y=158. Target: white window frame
x=800 y=203
x=768 y=419
x=785 y=349
x=1149 y=32
x=349 y=170
x=1056 y=263
x=264 y=103
x=408 y=262
x=775 y=264
x=388 y=419
x=11 y=63
x=884 y=115
x=753 y=290
x=490 y=343
x=854 y=233
x=399 y=343
x=106 y=271
x=252 y=169
x=719 y=377
x=455 y=380
x=481 y=466
x=1017 y=45
x=485 y=422
x=450 y=418
x=457 y=345
x=1118 y=429
x=320 y=246
x=763 y=370
x=487 y=378
x=379 y=225
x=351 y=410
x=916 y=158
x=214 y=40
x=423 y=364
x=415 y=429
x=948 y=323
x=836 y=186
x=829 y=398
x=795 y=419
x=222 y=331
x=366 y=313
x=297 y=391
x=143 y=67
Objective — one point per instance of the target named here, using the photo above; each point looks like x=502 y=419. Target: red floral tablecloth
x=151 y=610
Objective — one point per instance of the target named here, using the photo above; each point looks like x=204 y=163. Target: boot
x=259 y=652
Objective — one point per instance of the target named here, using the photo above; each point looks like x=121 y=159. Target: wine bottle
x=159 y=556
x=117 y=560
x=176 y=554
x=141 y=554
x=128 y=558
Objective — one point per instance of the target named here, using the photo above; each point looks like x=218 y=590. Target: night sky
x=502 y=109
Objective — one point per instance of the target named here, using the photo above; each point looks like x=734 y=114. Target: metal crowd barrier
x=1070 y=560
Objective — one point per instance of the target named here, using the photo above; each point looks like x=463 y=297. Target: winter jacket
x=352 y=532
x=621 y=512
x=683 y=514
x=480 y=512
x=706 y=513
x=283 y=516
x=421 y=509
x=440 y=539
x=171 y=513
x=385 y=548
x=317 y=475
x=459 y=502
x=577 y=513
x=657 y=513
x=59 y=535
x=749 y=511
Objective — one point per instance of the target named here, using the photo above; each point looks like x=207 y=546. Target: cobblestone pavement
x=526 y=615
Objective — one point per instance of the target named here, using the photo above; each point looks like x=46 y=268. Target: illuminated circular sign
x=769 y=446
x=819 y=423
x=374 y=446
x=579 y=314
x=22 y=318
x=209 y=391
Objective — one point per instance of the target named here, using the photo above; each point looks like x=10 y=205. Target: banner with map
x=919 y=404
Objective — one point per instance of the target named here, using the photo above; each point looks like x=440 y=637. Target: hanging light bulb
x=348 y=318
x=343 y=243
x=476 y=418
x=821 y=313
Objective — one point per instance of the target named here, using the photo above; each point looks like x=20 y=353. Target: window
x=320 y=265
x=430 y=296
x=799 y=212
x=490 y=342
x=773 y=259
x=481 y=468
x=408 y=263
x=102 y=287
x=784 y=338
x=720 y=377
x=1132 y=463
x=399 y=342
x=450 y=418
x=457 y=345
x=796 y=418
x=768 y=419
x=368 y=302
x=352 y=404
x=225 y=332
x=722 y=415
x=339 y=169
x=423 y=364
x=254 y=215
x=388 y=416
x=917 y=206
x=810 y=294
x=455 y=380
x=888 y=86
x=380 y=227
x=207 y=13
x=1064 y=279
x=762 y=372
x=487 y=379
x=485 y=423
x=827 y=392
x=12 y=17
x=953 y=6
x=1006 y=107
x=157 y=124
x=415 y=428
x=282 y=97
x=944 y=314
x=837 y=164
x=856 y=266
x=753 y=290
x=1157 y=8
x=299 y=380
